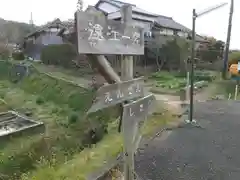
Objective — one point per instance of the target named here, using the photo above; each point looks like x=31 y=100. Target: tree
x=234 y=57
x=80 y=5
x=212 y=51
x=175 y=53
x=4 y=48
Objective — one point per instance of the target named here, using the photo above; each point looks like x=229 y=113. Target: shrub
x=4 y=52
x=39 y=100
x=18 y=56
x=61 y=54
x=234 y=57
x=73 y=118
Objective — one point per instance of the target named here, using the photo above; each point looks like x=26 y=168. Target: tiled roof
x=169 y=23
x=116 y=15
x=119 y=4
x=143 y=15
x=56 y=22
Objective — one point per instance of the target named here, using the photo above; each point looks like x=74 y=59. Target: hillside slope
x=13 y=31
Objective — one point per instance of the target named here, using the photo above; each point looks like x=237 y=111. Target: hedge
x=58 y=54
x=234 y=57
x=4 y=52
x=18 y=56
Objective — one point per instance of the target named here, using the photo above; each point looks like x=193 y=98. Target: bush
x=18 y=56
x=39 y=100
x=4 y=52
x=234 y=57
x=73 y=118
x=61 y=54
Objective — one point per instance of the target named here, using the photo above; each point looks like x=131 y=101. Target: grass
x=91 y=159
x=171 y=82
x=60 y=152
x=225 y=88
x=65 y=74
x=61 y=107
x=60 y=165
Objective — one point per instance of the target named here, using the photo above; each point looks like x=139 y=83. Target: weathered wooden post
x=127 y=74
x=127 y=61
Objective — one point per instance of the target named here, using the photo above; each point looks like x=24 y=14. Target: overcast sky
x=213 y=24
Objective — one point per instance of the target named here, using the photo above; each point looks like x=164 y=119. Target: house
x=153 y=24
x=45 y=35
x=158 y=29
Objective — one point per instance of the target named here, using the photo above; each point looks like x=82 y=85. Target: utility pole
x=194 y=17
x=226 y=50
x=31 y=20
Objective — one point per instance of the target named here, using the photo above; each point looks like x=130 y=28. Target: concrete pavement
x=208 y=153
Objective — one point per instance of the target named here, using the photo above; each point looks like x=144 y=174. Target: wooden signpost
x=113 y=94
x=98 y=36
x=133 y=114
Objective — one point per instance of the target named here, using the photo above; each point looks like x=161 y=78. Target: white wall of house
x=145 y=25
x=49 y=37
x=166 y=31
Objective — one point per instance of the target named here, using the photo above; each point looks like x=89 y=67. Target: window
x=165 y=31
x=148 y=34
x=169 y=32
x=181 y=34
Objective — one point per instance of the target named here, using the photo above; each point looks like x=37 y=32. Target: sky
x=212 y=24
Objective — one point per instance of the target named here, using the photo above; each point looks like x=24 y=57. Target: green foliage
x=212 y=51
x=234 y=57
x=61 y=106
x=5 y=68
x=58 y=91
x=61 y=54
x=172 y=82
x=4 y=52
x=168 y=80
x=39 y=100
x=73 y=117
x=175 y=52
x=18 y=56
x=14 y=31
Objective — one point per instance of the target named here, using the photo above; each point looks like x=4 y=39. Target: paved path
x=208 y=153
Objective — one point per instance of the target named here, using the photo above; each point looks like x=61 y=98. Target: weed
x=73 y=117
x=40 y=100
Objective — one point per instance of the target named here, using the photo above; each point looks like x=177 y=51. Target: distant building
x=46 y=35
x=158 y=29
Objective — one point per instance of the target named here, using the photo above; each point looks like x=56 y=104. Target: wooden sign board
x=98 y=35
x=113 y=94
x=139 y=109
x=133 y=114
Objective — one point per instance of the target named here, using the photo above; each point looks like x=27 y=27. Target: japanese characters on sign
x=98 y=35
x=117 y=93
x=137 y=111
x=134 y=114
